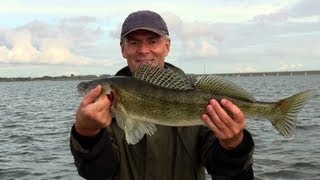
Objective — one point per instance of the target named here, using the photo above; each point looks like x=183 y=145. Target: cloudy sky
x=64 y=37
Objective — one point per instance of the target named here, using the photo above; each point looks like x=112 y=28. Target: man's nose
x=143 y=48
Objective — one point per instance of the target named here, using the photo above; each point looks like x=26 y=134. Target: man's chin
x=146 y=63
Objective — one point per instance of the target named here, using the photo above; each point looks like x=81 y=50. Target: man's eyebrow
x=128 y=38
x=154 y=37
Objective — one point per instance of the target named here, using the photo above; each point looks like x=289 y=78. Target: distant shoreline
x=53 y=78
x=91 y=77
x=276 y=73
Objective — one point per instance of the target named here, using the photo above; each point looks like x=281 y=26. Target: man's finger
x=102 y=103
x=91 y=96
x=211 y=125
x=236 y=112
x=211 y=109
x=223 y=116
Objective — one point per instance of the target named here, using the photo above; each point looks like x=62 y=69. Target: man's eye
x=154 y=41
x=133 y=42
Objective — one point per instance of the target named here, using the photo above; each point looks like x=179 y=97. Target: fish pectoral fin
x=135 y=130
x=119 y=119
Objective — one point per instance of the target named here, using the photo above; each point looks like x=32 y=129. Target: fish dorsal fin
x=163 y=77
x=220 y=86
x=135 y=130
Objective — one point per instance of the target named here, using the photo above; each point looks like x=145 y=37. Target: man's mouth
x=145 y=61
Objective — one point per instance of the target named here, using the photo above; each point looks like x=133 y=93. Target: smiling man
x=99 y=147
x=144 y=47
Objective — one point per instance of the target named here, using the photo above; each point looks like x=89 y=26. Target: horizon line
x=230 y=73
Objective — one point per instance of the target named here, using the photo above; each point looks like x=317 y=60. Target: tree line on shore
x=54 y=78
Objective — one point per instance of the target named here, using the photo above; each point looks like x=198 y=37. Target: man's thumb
x=92 y=95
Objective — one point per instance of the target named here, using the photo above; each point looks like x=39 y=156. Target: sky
x=63 y=37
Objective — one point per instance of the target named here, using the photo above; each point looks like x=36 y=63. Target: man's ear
x=122 y=50
x=168 y=43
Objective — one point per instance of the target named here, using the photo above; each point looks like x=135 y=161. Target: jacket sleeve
x=226 y=164
x=95 y=157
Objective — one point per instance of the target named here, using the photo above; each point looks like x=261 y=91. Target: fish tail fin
x=289 y=108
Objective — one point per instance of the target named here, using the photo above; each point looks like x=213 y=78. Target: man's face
x=144 y=47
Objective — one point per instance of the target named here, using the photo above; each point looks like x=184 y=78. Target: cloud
x=256 y=45
x=21 y=47
x=301 y=10
x=277 y=17
x=173 y=21
x=57 y=44
x=244 y=69
x=207 y=50
x=287 y=66
x=200 y=30
x=196 y=39
x=305 y=8
x=239 y=36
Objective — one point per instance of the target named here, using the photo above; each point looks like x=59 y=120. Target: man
x=99 y=147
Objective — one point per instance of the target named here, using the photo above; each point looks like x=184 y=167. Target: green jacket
x=171 y=153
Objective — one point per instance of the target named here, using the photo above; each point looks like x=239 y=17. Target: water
x=35 y=121
x=36 y=116
x=275 y=157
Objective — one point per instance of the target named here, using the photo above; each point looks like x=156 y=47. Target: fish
x=161 y=96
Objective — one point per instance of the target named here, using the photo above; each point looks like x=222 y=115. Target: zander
x=155 y=95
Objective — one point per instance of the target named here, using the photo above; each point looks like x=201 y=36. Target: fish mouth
x=110 y=96
x=82 y=88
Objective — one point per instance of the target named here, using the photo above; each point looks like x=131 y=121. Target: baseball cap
x=146 y=20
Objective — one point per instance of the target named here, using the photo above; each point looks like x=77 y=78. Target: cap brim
x=157 y=31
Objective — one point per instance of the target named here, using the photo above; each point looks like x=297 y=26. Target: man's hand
x=93 y=114
x=227 y=128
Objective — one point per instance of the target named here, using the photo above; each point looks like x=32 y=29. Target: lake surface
x=36 y=116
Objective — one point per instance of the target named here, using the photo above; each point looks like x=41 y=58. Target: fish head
x=83 y=88
x=86 y=86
